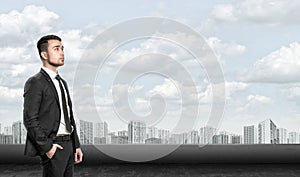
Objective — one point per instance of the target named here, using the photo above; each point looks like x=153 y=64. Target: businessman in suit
x=48 y=115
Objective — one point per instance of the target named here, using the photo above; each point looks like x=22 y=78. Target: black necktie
x=64 y=104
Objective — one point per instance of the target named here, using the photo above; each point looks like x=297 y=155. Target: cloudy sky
x=256 y=43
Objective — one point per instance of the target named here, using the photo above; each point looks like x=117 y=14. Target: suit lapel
x=49 y=80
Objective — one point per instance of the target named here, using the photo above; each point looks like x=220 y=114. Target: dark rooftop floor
x=165 y=170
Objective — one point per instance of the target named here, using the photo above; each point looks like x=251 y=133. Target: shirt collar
x=51 y=73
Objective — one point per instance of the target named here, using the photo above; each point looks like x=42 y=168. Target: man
x=48 y=116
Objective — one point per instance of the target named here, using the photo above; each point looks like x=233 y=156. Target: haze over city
x=258 y=52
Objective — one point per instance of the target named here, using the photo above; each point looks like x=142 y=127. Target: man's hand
x=52 y=151
x=78 y=155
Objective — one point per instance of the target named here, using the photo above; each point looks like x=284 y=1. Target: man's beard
x=53 y=64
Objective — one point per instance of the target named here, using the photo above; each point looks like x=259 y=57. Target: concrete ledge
x=216 y=154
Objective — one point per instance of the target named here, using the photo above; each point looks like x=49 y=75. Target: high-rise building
x=234 y=139
x=86 y=132
x=100 y=130
x=293 y=138
x=19 y=133
x=176 y=139
x=267 y=132
x=0 y=128
x=193 y=137
x=152 y=132
x=282 y=136
x=206 y=134
x=220 y=139
x=164 y=136
x=250 y=135
x=7 y=130
x=123 y=133
x=136 y=132
x=6 y=139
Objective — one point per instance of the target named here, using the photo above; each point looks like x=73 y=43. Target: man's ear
x=44 y=55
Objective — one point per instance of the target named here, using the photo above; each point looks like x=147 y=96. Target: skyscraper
x=136 y=132
x=193 y=137
x=282 y=136
x=100 y=132
x=267 y=133
x=101 y=129
x=7 y=130
x=293 y=138
x=220 y=139
x=86 y=132
x=18 y=132
x=250 y=134
x=164 y=135
x=152 y=132
x=234 y=139
x=206 y=134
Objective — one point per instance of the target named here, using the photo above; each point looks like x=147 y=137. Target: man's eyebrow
x=57 y=46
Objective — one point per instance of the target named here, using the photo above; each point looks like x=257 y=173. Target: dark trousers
x=62 y=163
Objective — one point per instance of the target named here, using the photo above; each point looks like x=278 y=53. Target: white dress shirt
x=62 y=130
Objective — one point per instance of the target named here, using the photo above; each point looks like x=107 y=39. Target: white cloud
x=233 y=87
x=10 y=95
x=18 y=28
x=254 y=99
x=255 y=102
x=75 y=42
x=224 y=12
x=228 y=49
x=13 y=54
x=259 y=11
x=280 y=66
x=168 y=89
x=293 y=93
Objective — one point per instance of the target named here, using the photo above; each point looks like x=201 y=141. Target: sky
x=256 y=44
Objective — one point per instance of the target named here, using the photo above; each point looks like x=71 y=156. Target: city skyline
x=258 y=53
x=265 y=132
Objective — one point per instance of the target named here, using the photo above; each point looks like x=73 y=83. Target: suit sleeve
x=33 y=95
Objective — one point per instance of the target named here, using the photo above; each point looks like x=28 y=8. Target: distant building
x=136 y=132
x=178 y=138
x=123 y=133
x=6 y=139
x=250 y=135
x=293 y=138
x=164 y=136
x=282 y=136
x=220 y=139
x=118 y=139
x=86 y=132
x=153 y=141
x=19 y=133
x=234 y=139
x=101 y=129
x=7 y=130
x=193 y=137
x=206 y=134
x=98 y=140
x=152 y=132
x=267 y=132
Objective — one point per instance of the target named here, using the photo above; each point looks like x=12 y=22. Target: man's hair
x=42 y=44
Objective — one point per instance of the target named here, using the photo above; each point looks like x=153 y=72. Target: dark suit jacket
x=41 y=114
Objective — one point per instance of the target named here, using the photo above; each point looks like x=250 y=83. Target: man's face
x=55 y=53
